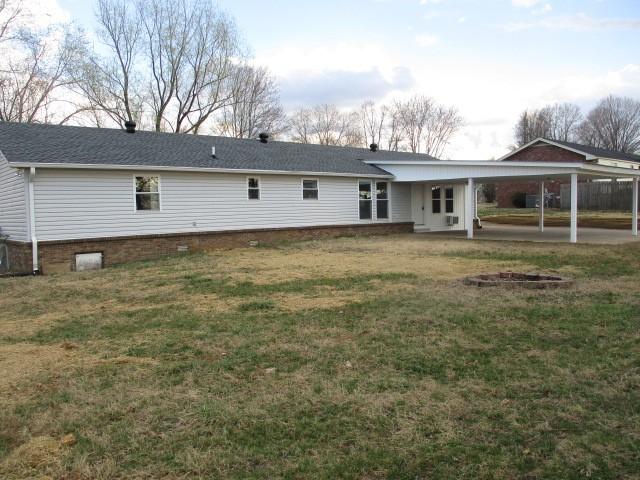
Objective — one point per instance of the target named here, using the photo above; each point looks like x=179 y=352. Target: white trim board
x=190 y=169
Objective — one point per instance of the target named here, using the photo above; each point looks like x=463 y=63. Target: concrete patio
x=517 y=233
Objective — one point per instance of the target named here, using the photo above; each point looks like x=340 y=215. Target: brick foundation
x=58 y=256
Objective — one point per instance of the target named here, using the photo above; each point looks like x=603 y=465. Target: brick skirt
x=59 y=255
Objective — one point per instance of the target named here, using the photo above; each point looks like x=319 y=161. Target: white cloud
x=525 y=3
x=546 y=8
x=426 y=40
x=45 y=12
x=579 y=22
x=462 y=19
x=430 y=2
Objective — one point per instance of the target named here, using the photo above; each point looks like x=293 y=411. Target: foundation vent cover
x=88 y=261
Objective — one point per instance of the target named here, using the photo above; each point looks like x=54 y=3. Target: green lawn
x=348 y=358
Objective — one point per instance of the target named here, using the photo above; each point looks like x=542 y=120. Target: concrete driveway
x=517 y=233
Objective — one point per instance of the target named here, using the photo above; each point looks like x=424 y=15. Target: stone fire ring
x=513 y=279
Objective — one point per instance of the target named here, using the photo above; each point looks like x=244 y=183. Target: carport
x=467 y=174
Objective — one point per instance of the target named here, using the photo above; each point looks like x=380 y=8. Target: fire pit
x=513 y=279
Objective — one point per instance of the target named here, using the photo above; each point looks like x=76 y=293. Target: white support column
x=468 y=211
x=574 y=208
x=634 y=209
x=541 y=206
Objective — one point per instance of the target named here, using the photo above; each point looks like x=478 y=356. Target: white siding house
x=13 y=202
x=77 y=204
x=73 y=196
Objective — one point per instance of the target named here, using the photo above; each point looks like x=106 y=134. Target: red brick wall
x=534 y=153
x=546 y=153
x=505 y=191
x=56 y=256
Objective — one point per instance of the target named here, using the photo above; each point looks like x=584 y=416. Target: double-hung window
x=310 y=189
x=382 y=200
x=364 y=196
x=448 y=200
x=147 y=193
x=253 y=188
x=435 y=199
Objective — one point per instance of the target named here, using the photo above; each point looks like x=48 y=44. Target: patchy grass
x=351 y=358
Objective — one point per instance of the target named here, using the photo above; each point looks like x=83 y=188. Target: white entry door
x=417 y=203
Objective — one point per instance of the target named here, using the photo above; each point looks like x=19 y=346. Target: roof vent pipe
x=213 y=151
x=373 y=147
x=264 y=137
x=130 y=126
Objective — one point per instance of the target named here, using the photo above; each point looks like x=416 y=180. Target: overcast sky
x=490 y=58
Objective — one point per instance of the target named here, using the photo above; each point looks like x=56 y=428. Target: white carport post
x=541 y=206
x=634 y=209
x=469 y=207
x=574 y=208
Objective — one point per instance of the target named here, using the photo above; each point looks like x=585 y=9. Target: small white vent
x=88 y=261
x=452 y=220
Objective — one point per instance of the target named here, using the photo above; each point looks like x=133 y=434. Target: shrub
x=519 y=199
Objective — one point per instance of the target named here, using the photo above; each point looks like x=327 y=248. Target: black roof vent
x=130 y=126
x=264 y=137
x=373 y=147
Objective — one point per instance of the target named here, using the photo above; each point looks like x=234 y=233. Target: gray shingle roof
x=600 y=152
x=43 y=144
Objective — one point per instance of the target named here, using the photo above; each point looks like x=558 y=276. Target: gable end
x=542 y=152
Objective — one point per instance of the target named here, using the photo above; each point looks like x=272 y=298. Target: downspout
x=32 y=222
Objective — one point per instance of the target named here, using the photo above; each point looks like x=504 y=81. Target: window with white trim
x=448 y=200
x=435 y=199
x=310 y=190
x=382 y=200
x=147 y=193
x=253 y=188
x=364 y=199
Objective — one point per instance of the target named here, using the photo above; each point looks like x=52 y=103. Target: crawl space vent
x=88 y=261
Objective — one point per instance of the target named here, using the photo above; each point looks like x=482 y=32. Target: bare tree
x=413 y=119
x=559 y=121
x=394 y=128
x=531 y=125
x=10 y=12
x=168 y=61
x=110 y=83
x=373 y=122
x=427 y=126
x=254 y=106
x=202 y=87
x=614 y=124
x=35 y=67
x=565 y=119
x=326 y=125
x=300 y=126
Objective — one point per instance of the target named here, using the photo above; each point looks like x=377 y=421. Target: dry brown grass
x=407 y=374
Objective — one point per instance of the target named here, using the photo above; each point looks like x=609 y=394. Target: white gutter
x=32 y=220
x=193 y=169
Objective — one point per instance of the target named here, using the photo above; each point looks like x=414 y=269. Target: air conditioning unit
x=452 y=220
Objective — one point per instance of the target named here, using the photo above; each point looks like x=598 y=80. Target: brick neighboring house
x=554 y=151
